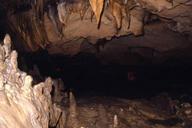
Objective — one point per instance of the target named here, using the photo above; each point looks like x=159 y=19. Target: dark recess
x=87 y=76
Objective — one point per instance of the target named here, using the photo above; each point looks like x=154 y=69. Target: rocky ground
x=161 y=111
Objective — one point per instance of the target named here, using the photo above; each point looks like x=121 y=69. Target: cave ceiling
x=62 y=26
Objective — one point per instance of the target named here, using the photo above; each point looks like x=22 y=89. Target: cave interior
x=112 y=54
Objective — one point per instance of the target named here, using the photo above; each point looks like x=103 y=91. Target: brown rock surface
x=22 y=104
x=36 y=33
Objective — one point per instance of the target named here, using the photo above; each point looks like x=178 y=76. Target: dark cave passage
x=87 y=76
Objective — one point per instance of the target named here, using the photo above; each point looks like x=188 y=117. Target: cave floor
x=109 y=112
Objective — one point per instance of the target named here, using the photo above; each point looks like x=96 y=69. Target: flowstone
x=22 y=104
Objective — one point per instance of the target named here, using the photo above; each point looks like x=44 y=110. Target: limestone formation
x=65 y=9
x=116 y=9
x=115 y=122
x=97 y=7
x=52 y=17
x=93 y=20
x=7 y=45
x=72 y=121
x=23 y=105
x=136 y=21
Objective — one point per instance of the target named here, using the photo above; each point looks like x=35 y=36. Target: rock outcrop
x=65 y=25
x=22 y=104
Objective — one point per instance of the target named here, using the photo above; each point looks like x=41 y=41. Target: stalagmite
x=27 y=87
x=7 y=44
x=59 y=89
x=23 y=105
x=72 y=105
x=115 y=121
x=72 y=121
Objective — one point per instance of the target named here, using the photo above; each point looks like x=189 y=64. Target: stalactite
x=117 y=18
x=97 y=7
x=116 y=9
